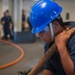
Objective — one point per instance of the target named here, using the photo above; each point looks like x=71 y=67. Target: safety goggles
x=45 y=30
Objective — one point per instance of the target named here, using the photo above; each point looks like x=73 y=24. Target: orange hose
x=15 y=61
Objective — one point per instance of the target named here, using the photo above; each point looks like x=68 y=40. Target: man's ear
x=55 y=25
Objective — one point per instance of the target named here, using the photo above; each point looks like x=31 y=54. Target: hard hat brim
x=38 y=29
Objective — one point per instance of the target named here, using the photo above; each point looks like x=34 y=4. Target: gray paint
x=24 y=37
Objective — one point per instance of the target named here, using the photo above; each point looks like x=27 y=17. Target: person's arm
x=10 y=25
x=47 y=72
x=10 y=19
x=2 y=22
x=66 y=60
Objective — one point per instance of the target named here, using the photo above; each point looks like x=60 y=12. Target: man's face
x=45 y=36
x=7 y=13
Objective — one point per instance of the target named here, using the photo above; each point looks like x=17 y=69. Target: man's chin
x=47 y=42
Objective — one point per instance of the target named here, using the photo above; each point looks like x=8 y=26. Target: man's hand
x=63 y=38
x=3 y=22
x=10 y=27
x=61 y=41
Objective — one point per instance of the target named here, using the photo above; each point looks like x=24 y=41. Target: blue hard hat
x=42 y=13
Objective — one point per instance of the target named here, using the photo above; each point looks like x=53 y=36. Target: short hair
x=60 y=20
x=7 y=11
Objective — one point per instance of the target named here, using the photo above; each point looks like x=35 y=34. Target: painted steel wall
x=68 y=7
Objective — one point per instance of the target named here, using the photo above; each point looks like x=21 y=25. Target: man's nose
x=40 y=35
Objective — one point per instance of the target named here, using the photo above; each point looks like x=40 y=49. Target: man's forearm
x=3 y=22
x=47 y=72
x=66 y=60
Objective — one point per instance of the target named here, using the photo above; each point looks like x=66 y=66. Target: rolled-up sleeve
x=48 y=66
x=72 y=49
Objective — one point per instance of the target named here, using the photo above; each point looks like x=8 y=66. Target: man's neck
x=60 y=30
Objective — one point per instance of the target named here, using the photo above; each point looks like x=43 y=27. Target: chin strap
x=51 y=30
